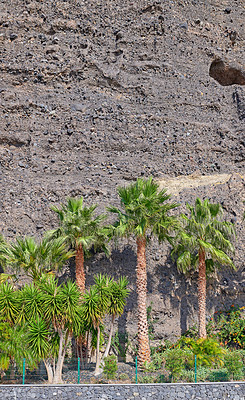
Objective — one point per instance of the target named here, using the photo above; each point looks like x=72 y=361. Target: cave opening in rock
x=225 y=74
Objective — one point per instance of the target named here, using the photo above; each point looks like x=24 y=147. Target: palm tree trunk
x=58 y=371
x=108 y=346
x=202 y=294
x=141 y=283
x=80 y=274
x=97 y=367
x=49 y=371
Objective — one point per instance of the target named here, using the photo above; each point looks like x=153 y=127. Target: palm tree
x=81 y=230
x=144 y=212
x=202 y=244
x=49 y=255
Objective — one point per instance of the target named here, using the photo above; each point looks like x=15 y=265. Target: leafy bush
x=120 y=344
x=175 y=361
x=155 y=364
x=189 y=375
x=123 y=377
x=146 y=379
x=234 y=364
x=208 y=351
x=161 y=379
x=218 y=375
x=110 y=367
x=229 y=327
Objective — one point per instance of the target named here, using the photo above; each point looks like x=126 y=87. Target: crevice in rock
x=239 y=100
x=226 y=74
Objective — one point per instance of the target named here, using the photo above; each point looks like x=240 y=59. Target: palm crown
x=204 y=229
x=36 y=258
x=144 y=208
x=79 y=225
x=82 y=230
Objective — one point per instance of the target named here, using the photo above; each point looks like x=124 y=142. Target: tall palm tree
x=145 y=211
x=202 y=244
x=36 y=258
x=81 y=229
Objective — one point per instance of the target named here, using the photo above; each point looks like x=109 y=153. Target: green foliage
x=145 y=208
x=234 y=364
x=146 y=379
x=36 y=258
x=192 y=332
x=150 y=322
x=208 y=351
x=80 y=226
x=118 y=293
x=218 y=375
x=9 y=303
x=175 y=361
x=120 y=344
x=229 y=327
x=43 y=317
x=123 y=377
x=14 y=346
x=110 y=367
x=188 y=375
x=203 y=229
x=155 y=364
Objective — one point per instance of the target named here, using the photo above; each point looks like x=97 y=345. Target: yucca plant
x=202 y=244
x=49 y=334
x=118 y=294
x=14 y=347
x=95 y=304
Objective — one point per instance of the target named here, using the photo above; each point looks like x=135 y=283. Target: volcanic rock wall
x=97 y=93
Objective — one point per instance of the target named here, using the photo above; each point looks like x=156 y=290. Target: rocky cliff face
x=95 y=94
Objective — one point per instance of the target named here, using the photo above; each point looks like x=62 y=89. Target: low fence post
x=195 y=369
x=136 y=370
x=24 y=371
x=78 y=370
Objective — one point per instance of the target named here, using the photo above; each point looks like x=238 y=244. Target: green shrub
x=189 y=375
x=161 y=379
x=208 y=351
x=146 y=379
x=155 y=363
x=229 y=327
x=175 y=361
x=234 y=364
x=218 y=375
x=110 y=367
x=123 y=377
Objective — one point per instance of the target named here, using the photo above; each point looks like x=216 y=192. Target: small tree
x=110 y=367
x=94 y=307
x=118 y=294
x=14 y=345
x=50 y=313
